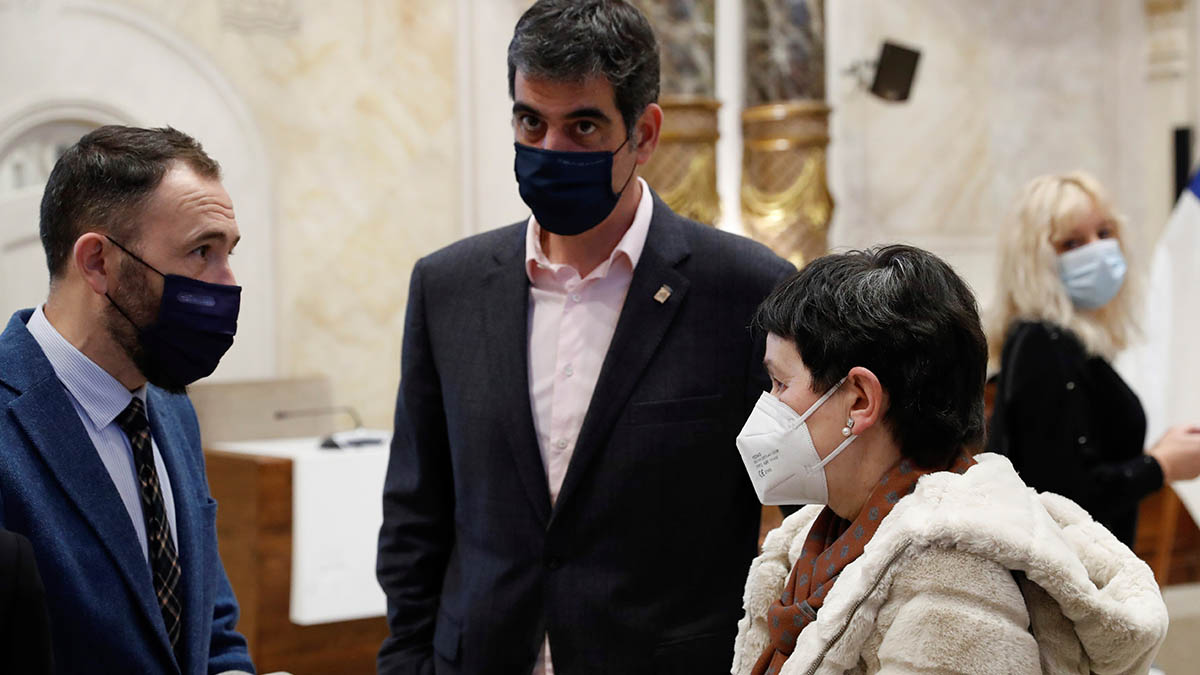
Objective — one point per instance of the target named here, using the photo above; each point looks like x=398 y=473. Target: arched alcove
x=69 y=66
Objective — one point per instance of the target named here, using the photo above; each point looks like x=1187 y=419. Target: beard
x=135 y=298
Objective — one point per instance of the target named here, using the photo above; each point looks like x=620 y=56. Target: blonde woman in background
x=1068 y=290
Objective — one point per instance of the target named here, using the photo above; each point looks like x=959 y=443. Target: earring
x=849 y=425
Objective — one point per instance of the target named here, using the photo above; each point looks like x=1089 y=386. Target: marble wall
x=686 y=35
x=785 y=50
x=357 y=104
x=1004 y=92
x=386 y=128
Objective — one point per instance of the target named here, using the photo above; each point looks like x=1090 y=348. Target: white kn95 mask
x=779 y=453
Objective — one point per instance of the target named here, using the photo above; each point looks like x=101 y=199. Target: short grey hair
x=906 y=316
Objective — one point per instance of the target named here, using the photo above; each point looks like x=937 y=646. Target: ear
x=868 y=401
x=90 y=259
x=647 y=131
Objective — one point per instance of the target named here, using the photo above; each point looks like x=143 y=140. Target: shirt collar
x=630 y=246
x=100 y=395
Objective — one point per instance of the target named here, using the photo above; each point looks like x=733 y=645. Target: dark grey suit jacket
x=640 y=564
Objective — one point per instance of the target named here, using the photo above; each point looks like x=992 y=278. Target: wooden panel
x=1168 y=539
x=254 y=531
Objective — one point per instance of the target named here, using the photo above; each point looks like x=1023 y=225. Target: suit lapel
x=166 y=428
x=642 y=325
x=506 y=299
x=54 y=428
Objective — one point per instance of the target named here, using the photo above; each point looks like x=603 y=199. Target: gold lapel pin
x=663 y=293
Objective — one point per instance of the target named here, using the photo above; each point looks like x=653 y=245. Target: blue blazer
x=104 y=617
x=639 y=565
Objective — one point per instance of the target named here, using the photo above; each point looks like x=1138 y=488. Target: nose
x=225 y=275
x=556 y=139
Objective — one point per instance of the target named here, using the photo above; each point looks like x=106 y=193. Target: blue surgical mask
x=1093 y=273
x=195 y=327
x=568 y=192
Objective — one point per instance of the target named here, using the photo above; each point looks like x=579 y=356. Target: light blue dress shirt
x=98 y=399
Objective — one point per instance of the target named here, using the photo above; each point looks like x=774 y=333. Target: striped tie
x=164 y=561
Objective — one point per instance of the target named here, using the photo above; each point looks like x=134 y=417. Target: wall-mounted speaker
x=894 y=72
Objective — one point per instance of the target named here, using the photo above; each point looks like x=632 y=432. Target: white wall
x=99 y=63
x=489 y=197
x=1004 y=92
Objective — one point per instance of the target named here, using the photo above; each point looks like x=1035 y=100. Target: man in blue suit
x=564 y=493
x=100 y=457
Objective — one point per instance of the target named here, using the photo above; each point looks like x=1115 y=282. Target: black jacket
x=24 y=621
x=639 y=565
x=1071 y=425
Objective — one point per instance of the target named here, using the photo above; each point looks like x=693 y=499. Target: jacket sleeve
x=418 y=503
x=950 y=611
x=227 y=648
x=1046 y=419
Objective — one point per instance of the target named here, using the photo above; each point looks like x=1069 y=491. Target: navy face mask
x=195 y=327
x=568 y=192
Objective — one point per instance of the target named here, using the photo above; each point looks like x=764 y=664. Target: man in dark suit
x=100 y=457
x=564 y=493
x=24 y=624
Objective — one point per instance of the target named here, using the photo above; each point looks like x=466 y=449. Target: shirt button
x=1070 y=386
x=569 y=370
x=575 y=297
x=561 y=444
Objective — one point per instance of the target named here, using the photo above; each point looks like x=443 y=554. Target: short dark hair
x=572 y=40
x=905 y=315
x=101 y=183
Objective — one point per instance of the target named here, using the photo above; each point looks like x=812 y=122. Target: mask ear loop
x=114 y=304
x=824 y=397
x=631 y=171
x=132 y=255
x=836 y=451
x=841 y=446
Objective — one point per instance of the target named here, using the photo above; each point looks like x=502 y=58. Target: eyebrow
x=212 y=236
x=578 y=113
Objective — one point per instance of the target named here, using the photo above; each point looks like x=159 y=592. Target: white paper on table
x=337 y=509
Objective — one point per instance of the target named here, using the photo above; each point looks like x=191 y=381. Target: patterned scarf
x=833 y=543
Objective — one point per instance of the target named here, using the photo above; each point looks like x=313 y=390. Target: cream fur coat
x=972 y=573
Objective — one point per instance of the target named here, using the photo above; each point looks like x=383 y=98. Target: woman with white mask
x=913 y=555
x=1067 y=291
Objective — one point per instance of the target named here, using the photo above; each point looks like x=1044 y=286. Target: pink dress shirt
x=571 y=323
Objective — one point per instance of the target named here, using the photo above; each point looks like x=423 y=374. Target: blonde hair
x=1029 y=287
